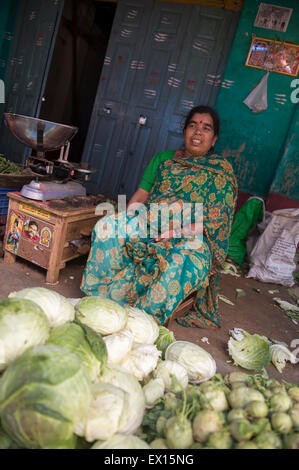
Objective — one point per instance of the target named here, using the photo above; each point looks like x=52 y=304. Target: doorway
x=76 y=66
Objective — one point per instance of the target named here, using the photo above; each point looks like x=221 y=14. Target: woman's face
x=199 y=134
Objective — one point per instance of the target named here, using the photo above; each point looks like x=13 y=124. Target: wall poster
x=274 y=56
x=273 y=17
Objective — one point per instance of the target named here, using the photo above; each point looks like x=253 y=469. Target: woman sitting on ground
x=156 y=275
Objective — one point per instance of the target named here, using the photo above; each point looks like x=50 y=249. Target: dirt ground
x=254 y=312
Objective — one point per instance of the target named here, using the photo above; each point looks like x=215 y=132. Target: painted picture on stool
x=273 y=17
x=14 y=232
x=31 y=230
x=275 y=56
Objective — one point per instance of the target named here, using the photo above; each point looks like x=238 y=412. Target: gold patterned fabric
x=158 y=276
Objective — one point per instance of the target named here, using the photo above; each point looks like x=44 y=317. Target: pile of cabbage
x=93 y=374
x=82 y=373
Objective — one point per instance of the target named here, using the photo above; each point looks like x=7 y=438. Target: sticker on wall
x=31 y=230
x=45 y=236
x=14 y=232
x=107 y=60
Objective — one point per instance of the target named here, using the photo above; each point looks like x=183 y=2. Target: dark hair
x=32 y=222
x=204 y=110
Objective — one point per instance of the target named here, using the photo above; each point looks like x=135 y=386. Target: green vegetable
x=158 y=444
x=103 y=315
x=118 y=345
x=173 y=374
x=294 y=393
x=294 y=414
x=141 y=360
x=178 y=432
x=291 y=441
x=246 y=445
x=142 y=326
x=237 y=377
x=178 y=429
x=103 y=417
x=280 y=402
x=44 y=393
x=213 y=397
x=9 y=168
x=257 y=409
x=134 y=408
x=121 y=441
x=239 y=397
x=165 y=338
x=58 y=309
x=252 y=352
x=281 y=422
x=241 y=429
x=153 y=390
x=220 y=440
x=83 y=341
x=22 y=324
x=205 y=423
x=280 y=354
x=236 y=413
x=199 y=364
x=268 y=440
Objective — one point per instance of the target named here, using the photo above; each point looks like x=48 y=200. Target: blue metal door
x=162 y=59
x=26 y=73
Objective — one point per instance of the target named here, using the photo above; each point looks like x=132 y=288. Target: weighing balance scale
x=36 y=229
x=44 y=136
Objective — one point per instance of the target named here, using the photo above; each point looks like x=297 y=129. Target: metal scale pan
x=44 y=136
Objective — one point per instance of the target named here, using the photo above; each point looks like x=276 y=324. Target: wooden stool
x=183 y=308
x=51 y=246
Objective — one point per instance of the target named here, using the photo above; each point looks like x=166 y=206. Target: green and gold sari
x=158 y=276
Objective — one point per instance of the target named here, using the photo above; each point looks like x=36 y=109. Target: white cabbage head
x=200 y=365
x=103 y=417
x=141 y=360
x=118 y=345
x=119 y=441
x=103 y=315
x=134 y=408
x=22 y=324
x=58 y=309
x=173 y=374
x=153 y=390
x=142 y=325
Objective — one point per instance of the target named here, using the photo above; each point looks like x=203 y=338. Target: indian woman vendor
x=156 y=273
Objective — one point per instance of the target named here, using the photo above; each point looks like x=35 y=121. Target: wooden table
x=43 y=235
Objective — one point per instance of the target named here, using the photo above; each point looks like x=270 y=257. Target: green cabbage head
x=22 y=324
x=58 y=308
x=83 y=341
x=44 y=393
x=251 y=352
x=103 y=315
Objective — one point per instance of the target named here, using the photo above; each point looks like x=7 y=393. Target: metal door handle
x=141 y=122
